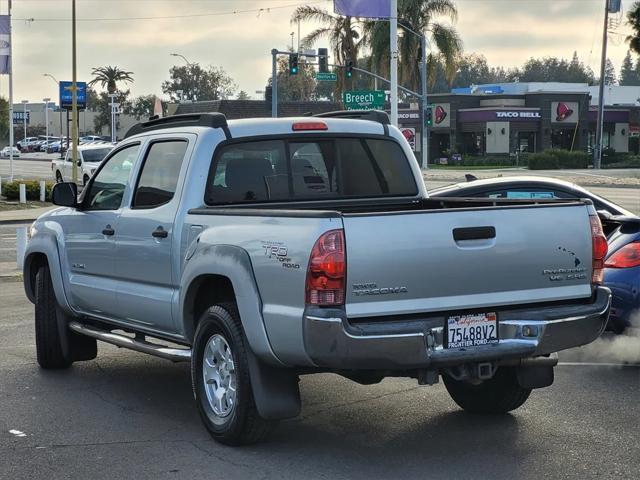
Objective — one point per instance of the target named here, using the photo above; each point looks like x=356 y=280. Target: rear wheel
x=56 y=346
x=500 y=394
x=220 y=379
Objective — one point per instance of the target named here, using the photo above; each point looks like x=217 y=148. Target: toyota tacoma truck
x=260 y=250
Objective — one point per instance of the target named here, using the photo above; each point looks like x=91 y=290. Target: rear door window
x=309 y=169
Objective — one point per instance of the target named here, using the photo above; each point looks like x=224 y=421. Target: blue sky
x=507 y=32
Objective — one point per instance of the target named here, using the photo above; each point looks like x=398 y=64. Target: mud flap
x=535 y=376
x=275 y=390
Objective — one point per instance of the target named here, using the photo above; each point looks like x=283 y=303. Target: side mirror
x=65 y=194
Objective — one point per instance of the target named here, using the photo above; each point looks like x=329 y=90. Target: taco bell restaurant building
x=493 y=121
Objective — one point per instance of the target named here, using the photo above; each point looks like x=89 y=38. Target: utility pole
x=393 y=33
x=10 y=97
x=425 y=105
x=274 y=83
x=74 y=98
x=597 y=153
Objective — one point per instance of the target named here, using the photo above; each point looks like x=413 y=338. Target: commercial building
x=528 y=117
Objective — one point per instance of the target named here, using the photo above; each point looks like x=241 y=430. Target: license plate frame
x=472 y=329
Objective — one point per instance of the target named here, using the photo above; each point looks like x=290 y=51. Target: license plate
x=472 y=330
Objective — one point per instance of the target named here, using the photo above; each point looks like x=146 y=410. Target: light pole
x=113 y=96
x=59 y=106
x=46 y=101
x=24 y=118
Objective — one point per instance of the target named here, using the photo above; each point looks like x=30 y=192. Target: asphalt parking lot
x=127 y=415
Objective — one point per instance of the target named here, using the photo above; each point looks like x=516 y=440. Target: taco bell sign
x=519 y=114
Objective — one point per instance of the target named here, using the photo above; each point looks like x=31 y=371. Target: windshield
x=95 y=154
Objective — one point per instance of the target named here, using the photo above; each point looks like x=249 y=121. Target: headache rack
x=211 y=120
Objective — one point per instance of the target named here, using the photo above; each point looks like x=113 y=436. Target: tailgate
x=444 y=260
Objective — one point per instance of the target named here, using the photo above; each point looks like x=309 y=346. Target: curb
x=18 y=221
x=14 y=277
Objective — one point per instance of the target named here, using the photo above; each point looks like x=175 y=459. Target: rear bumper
x=334 y=342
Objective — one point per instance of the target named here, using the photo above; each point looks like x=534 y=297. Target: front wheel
x=56 y=346
x=500 y=394
x=220 y=379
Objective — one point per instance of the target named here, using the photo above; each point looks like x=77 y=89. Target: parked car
x=44 y=147
x=272 y=248
x=4 y=153
x=89 y=158
x=622 y=265
x=25 y=144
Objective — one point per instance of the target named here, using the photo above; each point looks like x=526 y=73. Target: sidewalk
x=22 y=216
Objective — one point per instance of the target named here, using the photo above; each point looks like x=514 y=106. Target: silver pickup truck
x=265 y=249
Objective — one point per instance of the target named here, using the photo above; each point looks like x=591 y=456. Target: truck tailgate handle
x=474 y=233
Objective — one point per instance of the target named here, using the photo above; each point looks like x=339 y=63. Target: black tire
x=56 y=346
x=498 y=395
x=243 y=425
x=58 y=177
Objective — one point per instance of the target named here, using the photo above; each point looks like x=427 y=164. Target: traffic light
x=322 y=60
x=349 y=71
x=428 y=117
x=293 y=64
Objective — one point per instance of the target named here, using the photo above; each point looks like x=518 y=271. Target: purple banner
x=5 y=44
x=363 y=8
x=611 y=116
x=511 y=115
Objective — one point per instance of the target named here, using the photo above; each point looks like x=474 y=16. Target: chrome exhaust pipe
x=162 y=351
x=550 y=361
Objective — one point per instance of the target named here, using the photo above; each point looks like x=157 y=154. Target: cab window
x=107 y=188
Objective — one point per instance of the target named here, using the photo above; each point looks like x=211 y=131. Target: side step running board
x=168 y=353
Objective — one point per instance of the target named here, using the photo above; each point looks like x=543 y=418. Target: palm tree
x=343 y=36
x=109 y=76
x=422 y=16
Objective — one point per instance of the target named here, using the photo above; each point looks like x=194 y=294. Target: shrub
x=11 y=191
x=489 y=161
x=543 y=161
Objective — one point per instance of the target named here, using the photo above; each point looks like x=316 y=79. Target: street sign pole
x=423 y=110
x=11 y=139
x=393 y=33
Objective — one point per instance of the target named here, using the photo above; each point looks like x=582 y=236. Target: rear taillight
x=600 y=248
x=327 y=268
x=627 y=257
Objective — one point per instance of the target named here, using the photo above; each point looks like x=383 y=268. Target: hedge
x=11 y=191
x=555 y=159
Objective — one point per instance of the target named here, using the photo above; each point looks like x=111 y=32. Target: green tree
x=299 y=87
x=629 y=72
x=553 y=69
x=473 y=69
x=610 y=77
x=110 y=77
x=423 y=16
x=242 y=95
x=198 y=84
x=633 y=20
x=342 y=33
x=141 y=107
x=4 y=120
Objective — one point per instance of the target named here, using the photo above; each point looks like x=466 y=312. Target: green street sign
x=363 y=100
x=326 y=77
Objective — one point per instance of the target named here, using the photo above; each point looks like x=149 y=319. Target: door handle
x=108 y=231
x=160 y=233
x=474 y=233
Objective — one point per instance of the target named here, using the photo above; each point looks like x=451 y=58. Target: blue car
x=622 y=266
x=622 y=272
